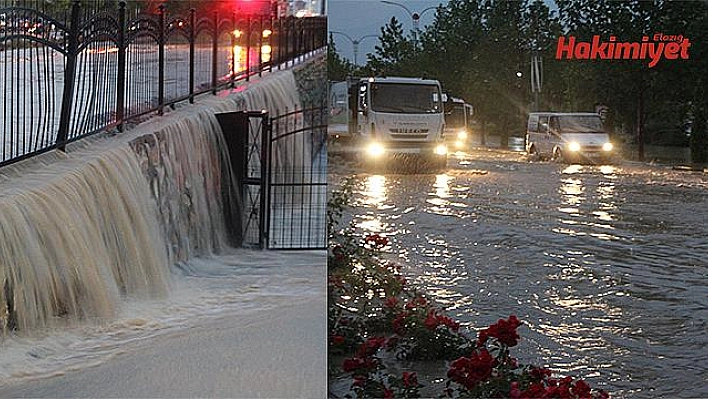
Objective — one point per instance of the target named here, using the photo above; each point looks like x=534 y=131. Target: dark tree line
x=478 y=49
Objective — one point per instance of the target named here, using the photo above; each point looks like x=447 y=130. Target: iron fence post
x=69 y=78
x=192 y=39
x=297 y=26
x=249 y=32
x=120 y=92
x=280 y=42
x=292 y=36
x=234 y=24
x=266 y=142
x=161 y=62
x=310 y=36
x=260 y=46
x=214 y=53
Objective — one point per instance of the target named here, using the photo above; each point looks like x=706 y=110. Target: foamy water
x=227 y=286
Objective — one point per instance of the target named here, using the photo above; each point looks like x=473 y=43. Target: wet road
x=606 y=265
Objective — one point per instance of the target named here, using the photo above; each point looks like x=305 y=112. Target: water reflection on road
x=606 y=265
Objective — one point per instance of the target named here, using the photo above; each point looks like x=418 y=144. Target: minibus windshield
x=580 y=124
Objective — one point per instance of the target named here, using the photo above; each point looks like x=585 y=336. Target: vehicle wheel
x=533 y=154
x=432 y=163
x=441 y=164
x=557 y=156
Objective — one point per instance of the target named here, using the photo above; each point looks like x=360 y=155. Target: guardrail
x=67 y=73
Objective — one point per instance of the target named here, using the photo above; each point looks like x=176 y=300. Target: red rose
x=351 y=364
x=470 y=371
x=357 y=363
x=503 y=330
x=371 y=346
x=431 y=322
x=399 y=323
x=581 y=389
x=410 y=379
x=392 y=342
x=391 y=302
x=534 y=391
x=602 y=395
x=482 y=339
x=540 y=374
x=359 y=381
x=337 y=339
x=514 y=391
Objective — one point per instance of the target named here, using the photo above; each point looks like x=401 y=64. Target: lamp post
x=355 y=42
x=415 y=17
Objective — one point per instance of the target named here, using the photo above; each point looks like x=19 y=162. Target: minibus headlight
x=375 y=149
x=462 y=135
x=440 y=149
x=607 y=147
x=574 y=146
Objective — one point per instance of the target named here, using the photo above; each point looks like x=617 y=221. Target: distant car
x=568 y=137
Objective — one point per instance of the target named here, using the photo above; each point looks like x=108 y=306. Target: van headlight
x=607 y=147
x=574 y=146
x=440 y=149
x=375 y=149
x=462 y=135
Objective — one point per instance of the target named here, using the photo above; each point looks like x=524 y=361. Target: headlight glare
x=607 y=146
x=375 y=149
x=441 y=149
x=574 y=146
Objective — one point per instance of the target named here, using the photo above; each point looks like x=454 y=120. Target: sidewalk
x=278 y=350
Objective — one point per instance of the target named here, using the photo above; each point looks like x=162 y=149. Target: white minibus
x=568 y=137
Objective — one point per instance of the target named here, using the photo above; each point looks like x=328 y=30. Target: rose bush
x=377 y=320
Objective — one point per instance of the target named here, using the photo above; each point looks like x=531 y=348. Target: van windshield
x=455 y=116
x=580 y=124
x=405 y=98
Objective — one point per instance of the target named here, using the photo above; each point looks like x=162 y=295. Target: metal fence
x=297 y=180
x=281 y=165
x=66 y=73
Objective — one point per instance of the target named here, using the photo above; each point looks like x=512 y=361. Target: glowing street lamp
x=415 y=17
x=355 y=43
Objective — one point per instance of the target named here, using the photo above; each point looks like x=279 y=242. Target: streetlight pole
x=415 y=17
x=355 y=42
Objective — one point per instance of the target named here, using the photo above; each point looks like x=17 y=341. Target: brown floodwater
x=606 y=266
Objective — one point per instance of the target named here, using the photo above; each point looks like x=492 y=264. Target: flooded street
x=607 y=266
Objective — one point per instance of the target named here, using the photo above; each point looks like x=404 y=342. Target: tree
x=338 y=69
x=685 y=85
x=477 y=48
x=396 y=54
x=652 y=104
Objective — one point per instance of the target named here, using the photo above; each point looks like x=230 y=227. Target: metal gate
x=284 y=198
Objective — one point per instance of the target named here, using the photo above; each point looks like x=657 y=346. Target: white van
x=568 y=137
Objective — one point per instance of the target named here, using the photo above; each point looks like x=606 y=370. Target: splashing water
x=81 y=231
